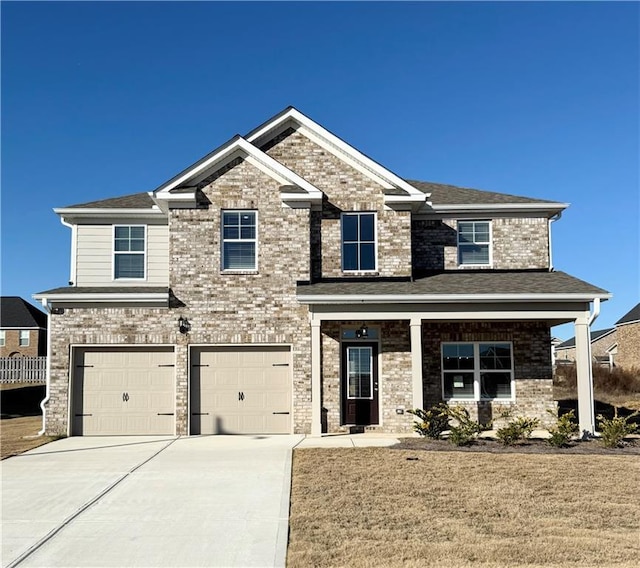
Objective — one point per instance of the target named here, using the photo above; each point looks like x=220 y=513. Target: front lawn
x=407 y=507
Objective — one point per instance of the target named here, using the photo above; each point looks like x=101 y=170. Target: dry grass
x=383 y=507
x=21 y=419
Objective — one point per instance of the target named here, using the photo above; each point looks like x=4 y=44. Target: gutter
x=556 y=217
x=47 y=395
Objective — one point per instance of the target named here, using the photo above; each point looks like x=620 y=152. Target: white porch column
x=416 y=362
x=586 y=415
x=316 y=376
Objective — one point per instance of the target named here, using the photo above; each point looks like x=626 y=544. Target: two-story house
x=287 y=283
x=23 y=328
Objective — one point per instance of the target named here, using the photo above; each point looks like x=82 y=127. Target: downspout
x=74 y=240
x=555 y=217
x=47 y=395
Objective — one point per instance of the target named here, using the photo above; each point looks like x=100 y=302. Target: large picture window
x=358 y=241
x=129 y=252
x=477 y=371
x=474 y=243
x=239 y=240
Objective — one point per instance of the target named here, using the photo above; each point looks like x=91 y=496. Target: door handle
x=240 y=396
x=125 y=397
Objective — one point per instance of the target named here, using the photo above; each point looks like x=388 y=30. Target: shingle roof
x=459 y=283
x=18 y=313
x=631 y=316
x=133 y=201
x=594 y=336
x=444 y=194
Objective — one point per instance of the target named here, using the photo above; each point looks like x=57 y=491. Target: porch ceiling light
x=183 y=325
x=362 y=332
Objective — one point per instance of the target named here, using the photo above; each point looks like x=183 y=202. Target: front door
x=359 y=383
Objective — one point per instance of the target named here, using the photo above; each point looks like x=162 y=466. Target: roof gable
x=593 y=336
x=632 y=316
x=395 y=188
x=18 y=313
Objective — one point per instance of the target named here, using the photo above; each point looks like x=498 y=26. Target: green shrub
x=517 y=430
x=614 y=430
x=563 y=431
x=466 y=430
x=433 y=422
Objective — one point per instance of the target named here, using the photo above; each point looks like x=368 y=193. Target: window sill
x=360 y=273
x=476 y=401
x=239 y=272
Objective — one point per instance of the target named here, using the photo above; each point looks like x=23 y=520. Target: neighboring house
x=23 y=328
x=627 y=347
x=601 y=343
x=287 y=283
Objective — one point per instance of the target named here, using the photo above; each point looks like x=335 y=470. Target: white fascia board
x=104 y=297
x=74 y=214
x=499 y=207
x=239 y=146
x=336 y=143
x=446 y=298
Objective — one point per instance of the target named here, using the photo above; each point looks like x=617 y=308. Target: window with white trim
x=3 y=338
x=474 y=243
x=24 y=338
x=239 y=240
x=477 y=371
x=358 y=241
x=129 y=252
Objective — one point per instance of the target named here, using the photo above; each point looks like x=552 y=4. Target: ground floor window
x=477 y=371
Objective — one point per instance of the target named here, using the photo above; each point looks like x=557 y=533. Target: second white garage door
x=241 y=390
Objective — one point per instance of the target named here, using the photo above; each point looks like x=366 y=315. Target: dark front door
x=359 y=383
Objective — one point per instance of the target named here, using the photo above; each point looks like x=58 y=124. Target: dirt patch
x=21 y=418
x=534 y=446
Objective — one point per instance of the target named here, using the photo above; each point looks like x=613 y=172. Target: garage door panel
x=237 y=389
x=123 y=390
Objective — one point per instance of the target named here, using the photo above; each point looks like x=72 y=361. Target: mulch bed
x=534 y=446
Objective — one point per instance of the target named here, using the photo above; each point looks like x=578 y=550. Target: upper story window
x=474 y=243
x=24 y=338
x=239 y=240
x=3 y=338
x=477 y=371
x=129 y=251
x=358 y=241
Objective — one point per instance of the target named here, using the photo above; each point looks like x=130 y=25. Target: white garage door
x=123 y=391
x=240 y=390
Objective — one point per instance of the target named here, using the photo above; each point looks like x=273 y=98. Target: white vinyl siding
x=94 y=261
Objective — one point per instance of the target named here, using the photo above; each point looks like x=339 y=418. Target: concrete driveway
x=148 y=501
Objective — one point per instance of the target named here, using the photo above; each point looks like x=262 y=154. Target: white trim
x=79 y=214
x=120 y=297
x=464 y=266
x=114 y=278
x=28 y=339
x=511 y=207
x=255 y=240
x=476 y=371
x=375 y=242
x=440 y=298
x=346 y=152
x=232 y=150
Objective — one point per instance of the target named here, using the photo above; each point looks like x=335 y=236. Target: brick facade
x=260 y=307
x=12 y=348
x=628 y=339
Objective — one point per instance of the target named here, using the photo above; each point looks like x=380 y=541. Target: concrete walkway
x=154 y=501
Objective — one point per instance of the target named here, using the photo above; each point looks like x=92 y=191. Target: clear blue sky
x=536 y=99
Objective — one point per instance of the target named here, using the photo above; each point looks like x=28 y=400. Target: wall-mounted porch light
x=362 y=332
x=183 y=325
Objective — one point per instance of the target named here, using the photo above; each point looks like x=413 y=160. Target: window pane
x=122 y=232
x=458 y=385
x=248 y=233
x=231 y=233
x=495 y=356
x=231 y=219
x=350 y=256
x=137 y=232
x=474 y=254
x=465 y=232
x=457 y=356
x=129 y=266
x=482 y=232
x=495 y=385
x=137 y=245
x=359 y=371
x=121 y=244
x=350 y=227
x=367 y=257
x=239 y=256
x=366 y=227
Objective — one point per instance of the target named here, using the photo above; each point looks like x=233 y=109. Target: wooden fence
x=23 y=369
